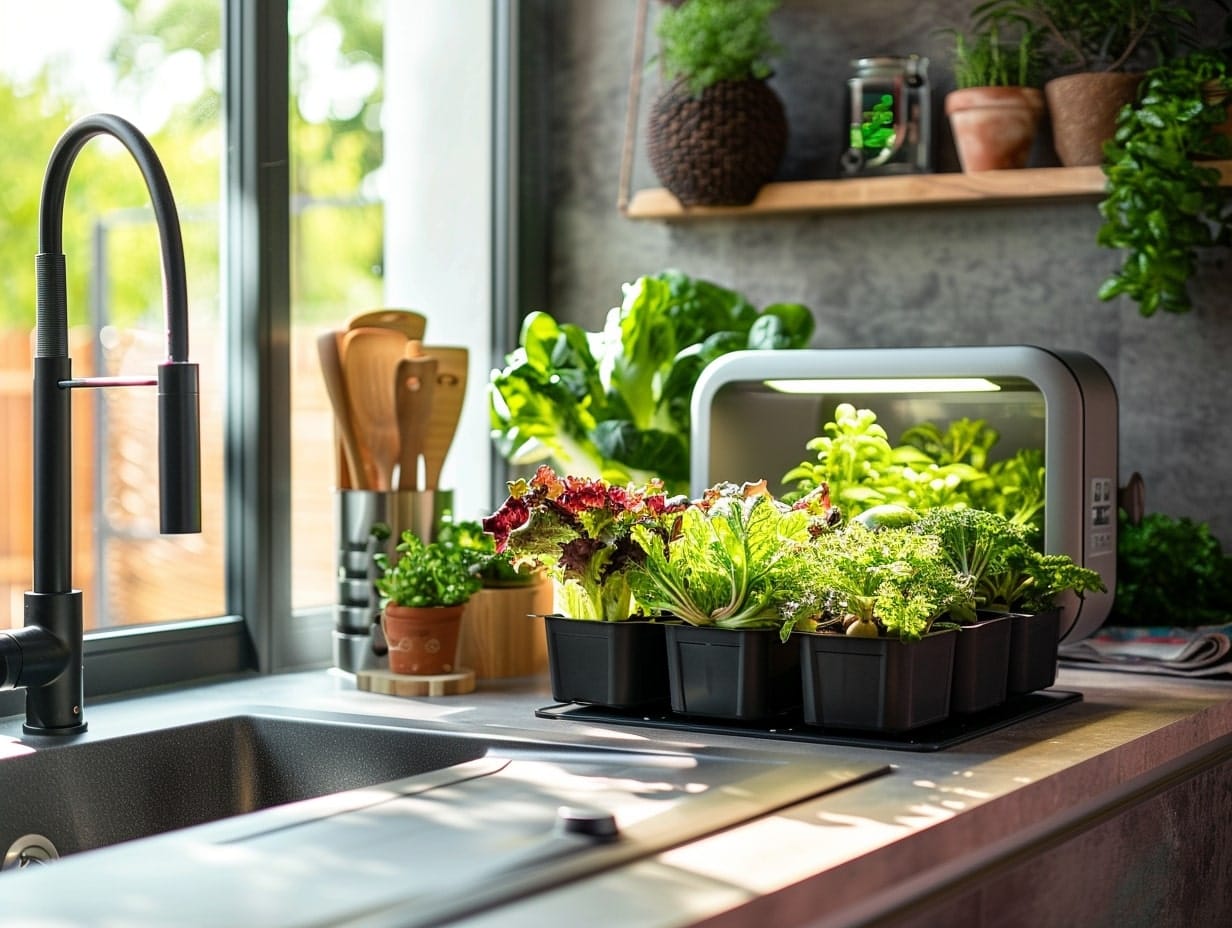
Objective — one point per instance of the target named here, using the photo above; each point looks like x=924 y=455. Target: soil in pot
x=731 y=673
x=1084 y=108
x=422 y=640
x=981 y=664
x=994 y=127
x=876 y=684
x=616 y=664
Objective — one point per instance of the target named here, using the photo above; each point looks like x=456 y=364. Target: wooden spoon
x=451 y=367
x=370 y=359
x=407 y=321
x=351 y=466
x=416 y=384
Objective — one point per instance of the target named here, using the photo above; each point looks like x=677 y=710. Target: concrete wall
x=901 y=277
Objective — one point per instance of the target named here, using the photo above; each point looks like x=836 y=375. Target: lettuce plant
x=734 y=560
x=579 y=531
x=615 y=404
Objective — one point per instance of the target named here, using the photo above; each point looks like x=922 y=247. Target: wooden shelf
x=859 y=193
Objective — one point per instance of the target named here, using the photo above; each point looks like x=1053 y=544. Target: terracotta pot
x=1084 y=109
x=422 y=640
x=994 y=127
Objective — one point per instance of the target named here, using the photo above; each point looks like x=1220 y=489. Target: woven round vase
x=719 y=147
x=1084 y=109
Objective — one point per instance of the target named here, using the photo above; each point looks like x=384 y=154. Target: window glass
x=158 y=63
x=337 y=231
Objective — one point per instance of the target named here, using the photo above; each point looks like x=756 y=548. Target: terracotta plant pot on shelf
x=1084 y=109
x=422 y=640
x=994 y=127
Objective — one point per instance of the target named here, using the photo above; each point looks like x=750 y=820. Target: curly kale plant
x=1162 y=205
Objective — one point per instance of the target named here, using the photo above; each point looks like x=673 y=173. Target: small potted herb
x=996 y=109
x=502 y=625
x=601 y=648
x=731 y=570
x=871 y=657
x=718 y=131
x=423 y=593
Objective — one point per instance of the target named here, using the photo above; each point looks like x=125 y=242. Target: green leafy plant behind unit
x=990 y=57
x=707 y=41
x=1161 y=205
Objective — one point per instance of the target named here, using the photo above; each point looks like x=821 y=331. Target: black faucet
x=45 y=656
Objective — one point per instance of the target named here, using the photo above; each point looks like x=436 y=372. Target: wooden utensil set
x=396 y=401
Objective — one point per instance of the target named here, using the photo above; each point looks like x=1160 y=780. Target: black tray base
x=935 y=737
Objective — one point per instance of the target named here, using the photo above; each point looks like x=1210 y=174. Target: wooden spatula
x=451 y=367
x=415 y=388
x=351 y=467
x=407 y=321
x=370 y=359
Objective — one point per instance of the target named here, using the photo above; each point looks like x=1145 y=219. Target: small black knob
x=590 y=823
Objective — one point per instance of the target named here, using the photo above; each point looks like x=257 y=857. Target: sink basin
x=92 y=794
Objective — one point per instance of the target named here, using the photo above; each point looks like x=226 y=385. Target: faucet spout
x=45 y=656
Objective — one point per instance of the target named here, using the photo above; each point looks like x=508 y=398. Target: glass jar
x=888 y=117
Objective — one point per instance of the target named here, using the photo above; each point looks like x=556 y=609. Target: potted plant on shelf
x=995 y=112
x=1161 y=203
x=502 y=624
x=601 y=648
x=423 y=594
x=730 y=571
x=871 y=658
x=1093 y=45
x=718 y=132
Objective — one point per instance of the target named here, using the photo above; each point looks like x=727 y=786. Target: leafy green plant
x=975 y=543
x=732 y=562
x=615 y=404
x=432 y=574
x=579 y=531
x=1170 y=571
x=877 y=126
x=885 y=581
x=1161 y=205
x=478 y=549
x=987 y=58
x=1097 y=35
x=931 y=468
x=707 y=41
x=1029 y=581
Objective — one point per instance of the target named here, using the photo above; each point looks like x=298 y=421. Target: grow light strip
x=887 y=385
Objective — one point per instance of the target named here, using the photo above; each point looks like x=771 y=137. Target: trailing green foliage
x=431 y=574
x=1161 y=205
x=707 y=41
x=733 y=563
x=1171 y=571
x=615 y=404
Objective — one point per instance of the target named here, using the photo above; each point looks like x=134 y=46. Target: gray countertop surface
x=933 y=817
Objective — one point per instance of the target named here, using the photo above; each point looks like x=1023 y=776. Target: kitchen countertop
x=935 y=820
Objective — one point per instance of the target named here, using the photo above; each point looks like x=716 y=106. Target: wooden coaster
x=401 y=684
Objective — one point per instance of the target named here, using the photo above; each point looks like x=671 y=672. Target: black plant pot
x=617 y=664
x=732 y=674
x=876 y=684
x=981 y=663
x=1033 y=651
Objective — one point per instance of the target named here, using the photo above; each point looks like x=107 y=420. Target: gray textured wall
x=904 y=277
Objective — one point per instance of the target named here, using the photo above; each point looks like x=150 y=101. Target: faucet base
x=51 y=643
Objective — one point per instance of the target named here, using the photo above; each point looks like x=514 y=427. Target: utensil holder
x=371 y=522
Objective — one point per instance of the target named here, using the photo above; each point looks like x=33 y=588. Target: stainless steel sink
x=93 y=794
x=262 y=812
